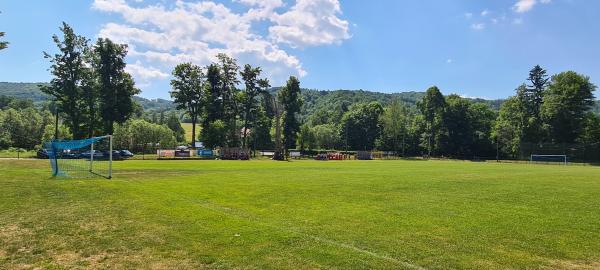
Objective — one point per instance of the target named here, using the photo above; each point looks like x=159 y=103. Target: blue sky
x=473 y=48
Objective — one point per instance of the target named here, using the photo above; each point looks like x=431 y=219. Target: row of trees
x=233 y=117
x=90 y=86
x=22 y=125
x=554 y=110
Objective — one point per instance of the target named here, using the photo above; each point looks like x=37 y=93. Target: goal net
x=561 y=159
x=81 y=158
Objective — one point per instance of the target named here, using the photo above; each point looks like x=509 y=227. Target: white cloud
x=468 y=15
x=485 y=12
x=145 y=73
x=523 y=6
x=163 y=35
x=310 y=23
x=478 y=26
x=449 y=61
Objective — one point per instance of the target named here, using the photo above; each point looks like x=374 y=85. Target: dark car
x=67 y=154
x=42 y=154
x=126 y=154
x=87 y=155
x=116 y=155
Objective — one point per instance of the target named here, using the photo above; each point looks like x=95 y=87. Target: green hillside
x=314 y=100
x=23 y=91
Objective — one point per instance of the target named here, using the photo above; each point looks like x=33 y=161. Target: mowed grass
x=188 y=131
x=302 y=215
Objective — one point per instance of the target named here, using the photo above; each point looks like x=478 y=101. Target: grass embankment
x=302 y=215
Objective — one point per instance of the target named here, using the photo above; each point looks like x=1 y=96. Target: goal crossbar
x=549 y=158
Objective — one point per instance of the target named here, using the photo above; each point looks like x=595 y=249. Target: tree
x=254 y=86
x=141 y=136
x=568 y=98
x=173 y=123
x=458 y=123
x=508 y=129
x=360 y=125
x=306 y=138
x=261 y=131
x=24 y=128
x=394 y=121
x=69 y=70
x=326 y=136
x=214 y=135
x=535 y=90
x=116 y=87
x=187 y=92
x=291 y=100
x=468 y=127
x=590 y=134
x=432 y=107
x=214 y=97
x=531 y=98
x=229 y=94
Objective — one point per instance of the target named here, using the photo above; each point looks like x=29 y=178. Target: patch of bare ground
x=573 y=265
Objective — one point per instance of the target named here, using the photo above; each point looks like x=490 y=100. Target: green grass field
x=188 y=131
x=302 y=215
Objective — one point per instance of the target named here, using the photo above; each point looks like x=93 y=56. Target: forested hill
x=32 y=92
x=29 y=91
x=314 y=100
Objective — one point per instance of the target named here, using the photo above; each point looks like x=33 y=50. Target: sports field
x=302 y=215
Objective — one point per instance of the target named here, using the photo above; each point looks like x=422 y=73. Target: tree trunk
x=244 y=142
x=194 y=132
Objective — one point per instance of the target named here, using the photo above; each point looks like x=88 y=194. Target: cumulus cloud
x=145 y=73
x=309 y=23
x=523 y=6
x=164 y=34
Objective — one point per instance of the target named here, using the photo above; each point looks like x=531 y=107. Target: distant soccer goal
x=560 y=159
x=81 y=158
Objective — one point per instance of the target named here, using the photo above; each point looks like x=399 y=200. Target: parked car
x=126 y=154
x=116 y=155
x=42 y=154
x=87 y=154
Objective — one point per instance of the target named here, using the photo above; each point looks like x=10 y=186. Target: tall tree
x=395 y=120
x=535 y=90
x=116 y=87
x=531 y=97
x=187 y=92
x=360 y=126
x=568 y=98
x=507 y=131
x=229 y=92
x=69 y=70
x=174 y=124
x=214 y=102
x=291 y=100
x=432 y=107
x=254 y=86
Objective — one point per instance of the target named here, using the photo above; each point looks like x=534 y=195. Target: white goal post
x=549 y=158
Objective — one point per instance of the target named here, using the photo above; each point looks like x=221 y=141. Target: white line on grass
x=231 y=212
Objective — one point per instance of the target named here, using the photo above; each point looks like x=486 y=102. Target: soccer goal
x=561 y=159
x=81 y=158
